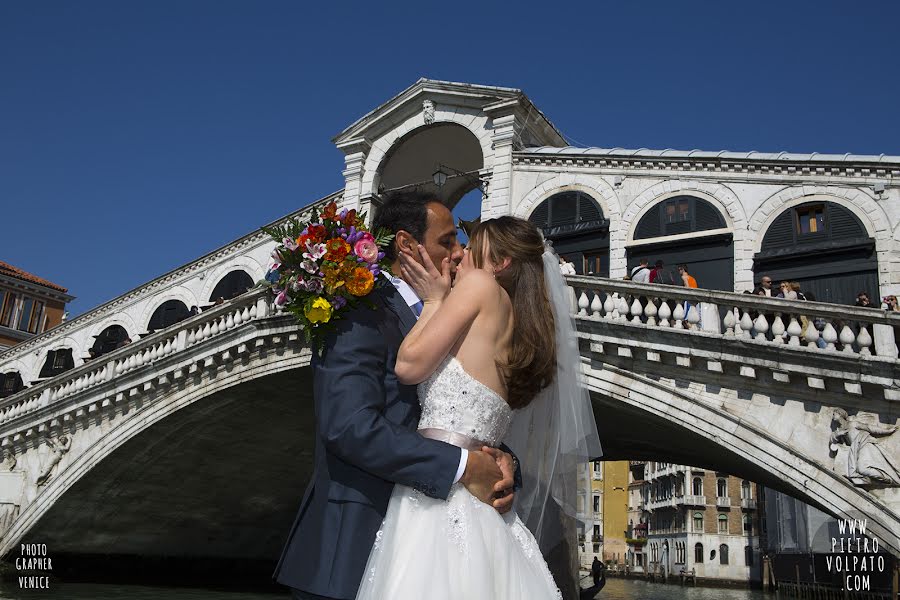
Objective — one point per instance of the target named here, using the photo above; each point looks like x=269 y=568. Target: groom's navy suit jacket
x=365 y=442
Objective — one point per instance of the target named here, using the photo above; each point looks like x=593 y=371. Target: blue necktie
x=417 y=308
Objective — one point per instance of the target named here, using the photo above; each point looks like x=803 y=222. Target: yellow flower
x=319 y=311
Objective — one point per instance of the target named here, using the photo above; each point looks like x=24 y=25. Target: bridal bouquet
x=324 y=266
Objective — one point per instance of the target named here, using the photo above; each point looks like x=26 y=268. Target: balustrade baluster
x=623 y=308
x=214 y=330
x=830 y=336
x=678 y=314
x=636 y=311
x=864 y=340
x=609 y=307
x=847 y=338
x=778 y=329
x=794 y=330
x=229 y=322
x=729 y=321
x=596 y=307
x=651 y=311
x=582 y=304
x=746 y=325
x=693 y=315
x=665 y=312
x=245 y=316
x=762 y=326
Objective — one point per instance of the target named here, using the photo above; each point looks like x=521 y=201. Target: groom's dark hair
x=403 y=210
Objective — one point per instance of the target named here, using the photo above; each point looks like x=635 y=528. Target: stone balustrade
x=215 y=322
x=820 y=326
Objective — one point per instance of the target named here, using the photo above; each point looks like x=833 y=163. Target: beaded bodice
x=455 y=401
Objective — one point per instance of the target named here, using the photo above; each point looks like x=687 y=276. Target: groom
x=366 y=439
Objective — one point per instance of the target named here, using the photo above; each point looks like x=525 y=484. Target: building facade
x=697 y=521
x=602 y=512
x=29 y=306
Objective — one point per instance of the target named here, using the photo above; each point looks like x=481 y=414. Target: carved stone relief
x=869 y=462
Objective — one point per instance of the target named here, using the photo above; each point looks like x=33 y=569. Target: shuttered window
x=566 y=208
x=678 y=215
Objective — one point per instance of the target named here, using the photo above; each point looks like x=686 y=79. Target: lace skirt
x=458 y=549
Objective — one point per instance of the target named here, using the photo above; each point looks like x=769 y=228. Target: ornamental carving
x=868 y=463
x=59 y=449
x=428 y=111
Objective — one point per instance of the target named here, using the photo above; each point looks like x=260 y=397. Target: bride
x=495 y=359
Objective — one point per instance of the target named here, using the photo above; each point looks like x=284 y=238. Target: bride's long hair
x=531 y=362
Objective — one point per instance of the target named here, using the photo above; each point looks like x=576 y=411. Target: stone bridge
x=195 y=441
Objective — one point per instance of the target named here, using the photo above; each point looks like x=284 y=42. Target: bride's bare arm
x=444 y=318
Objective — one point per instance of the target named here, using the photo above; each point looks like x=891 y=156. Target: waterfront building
x=697 y=521
x=29 y=306
x=602 y=512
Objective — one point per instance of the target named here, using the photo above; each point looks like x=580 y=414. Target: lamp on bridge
x=444 y=172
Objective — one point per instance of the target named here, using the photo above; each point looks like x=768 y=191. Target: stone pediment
x=450 y=95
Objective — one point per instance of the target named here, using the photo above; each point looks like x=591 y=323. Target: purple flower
x=344 y=214
x=381 y=256
x=313 y=285
x=339 y=302
x=310 y=266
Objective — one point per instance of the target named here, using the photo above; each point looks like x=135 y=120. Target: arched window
x=748 y=525
x=58 y=361
x=109 y=339
x=825 y=248
x=231 y=286
x=574 y=222
x=678 y=215
x=698 y=553
x=748 y=555
x=721 y=488
x=723 y=523
x=745 y=490
x=698 y=522
x=698 y=486
x=723 y=554
x=168 y=313
x=568 y=212
x=10 y=383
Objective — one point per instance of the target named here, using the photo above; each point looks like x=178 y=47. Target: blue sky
x=137 y=136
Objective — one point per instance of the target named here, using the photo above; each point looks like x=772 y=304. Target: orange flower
x=349 y=219
x=314 y=234
x=336 y=249
x=330 y=211
x=360 y=282
x=334 y=277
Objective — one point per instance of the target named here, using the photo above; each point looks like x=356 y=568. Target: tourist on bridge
x=659 y=274
x=565 y=267
x=641 y=273
x=765 y=287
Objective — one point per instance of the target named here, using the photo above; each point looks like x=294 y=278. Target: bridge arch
x=768 y=459
x=472 y=120
x=125 y=423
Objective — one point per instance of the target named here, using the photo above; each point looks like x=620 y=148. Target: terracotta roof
x=11 y=271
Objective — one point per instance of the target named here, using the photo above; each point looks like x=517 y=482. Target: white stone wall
x=749 y=203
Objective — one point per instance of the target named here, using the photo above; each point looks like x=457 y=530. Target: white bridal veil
x=555 y=435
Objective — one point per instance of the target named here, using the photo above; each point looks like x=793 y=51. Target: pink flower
x=366 y=248
x=314 y=251
x=282 y=298
x=289 y=244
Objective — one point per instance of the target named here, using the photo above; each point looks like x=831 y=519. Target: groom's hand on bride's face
x=503 y=489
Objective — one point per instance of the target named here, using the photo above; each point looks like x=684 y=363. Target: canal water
x=616 y=589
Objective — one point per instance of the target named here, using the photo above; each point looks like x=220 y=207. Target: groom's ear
x=405 y=242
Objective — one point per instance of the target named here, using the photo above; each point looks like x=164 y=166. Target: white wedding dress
x=461 y=548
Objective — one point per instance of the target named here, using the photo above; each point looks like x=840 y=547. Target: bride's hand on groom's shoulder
x=419 y=272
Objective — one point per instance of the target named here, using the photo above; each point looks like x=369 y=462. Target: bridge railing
x=216 y=321
x=819 y=326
